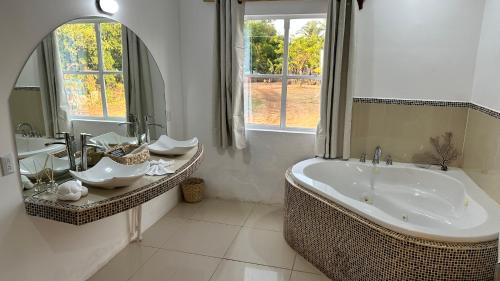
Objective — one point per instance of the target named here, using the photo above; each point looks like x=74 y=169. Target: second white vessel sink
x=108 y=174
x=168 y=146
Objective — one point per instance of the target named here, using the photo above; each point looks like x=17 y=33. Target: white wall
x=418 y=49
x=46 y=250
x=486 y=81
x=29 y=76
x=256 y=174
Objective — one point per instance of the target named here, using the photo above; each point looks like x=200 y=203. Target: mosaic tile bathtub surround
x=348 y=247
x=82 y=214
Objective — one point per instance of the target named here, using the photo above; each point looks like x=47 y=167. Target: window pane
x=77 y=46
x=115 y=95
x=305 y=50
x=111 y=35
x=84 y=94
x=264 y=101
x=302 y=104
x=264 y=46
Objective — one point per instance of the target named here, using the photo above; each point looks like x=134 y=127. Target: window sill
x=283 y=131
x=97 y=120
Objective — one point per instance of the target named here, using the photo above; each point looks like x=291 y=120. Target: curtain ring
x=240 y=1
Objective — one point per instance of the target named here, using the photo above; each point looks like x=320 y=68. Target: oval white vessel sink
x=108 y=174
x=33 y=165
x=27 y=146
x=112 y=138
x=168 y=146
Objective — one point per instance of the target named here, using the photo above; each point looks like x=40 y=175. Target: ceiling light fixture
x=108 y=6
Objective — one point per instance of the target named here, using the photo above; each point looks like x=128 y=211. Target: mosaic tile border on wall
x=316 y=228
x=78 y=215
x=470 y=105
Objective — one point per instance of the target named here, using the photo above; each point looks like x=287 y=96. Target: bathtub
x=365 y=216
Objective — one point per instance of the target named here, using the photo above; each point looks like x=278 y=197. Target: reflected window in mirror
x=88 y=76
x=91 y=59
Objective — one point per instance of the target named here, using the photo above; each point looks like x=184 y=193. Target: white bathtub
x=426 y=203
x=28 y=146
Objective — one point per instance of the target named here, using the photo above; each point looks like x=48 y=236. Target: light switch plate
x=7 y=164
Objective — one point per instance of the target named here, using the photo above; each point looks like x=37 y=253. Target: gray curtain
x=54 y=103
x=229 y=68
x=137 y=78
x=334 y=129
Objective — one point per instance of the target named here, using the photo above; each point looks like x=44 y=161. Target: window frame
x=284 y=76
x=101 y=72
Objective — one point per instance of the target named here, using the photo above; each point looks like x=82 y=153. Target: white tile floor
x=214 y=240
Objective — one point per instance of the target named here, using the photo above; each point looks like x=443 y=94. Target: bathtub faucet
x=377 y=155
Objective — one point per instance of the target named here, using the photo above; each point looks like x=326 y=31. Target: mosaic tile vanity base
x=348 y=247
x=78 y=215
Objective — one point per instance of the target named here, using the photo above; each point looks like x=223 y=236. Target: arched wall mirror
x=93 y=76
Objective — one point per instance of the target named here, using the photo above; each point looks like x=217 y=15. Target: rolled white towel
x=71 y=191
x=160 y=167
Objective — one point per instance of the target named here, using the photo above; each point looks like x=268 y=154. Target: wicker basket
x=192 y=190
x=129 y=159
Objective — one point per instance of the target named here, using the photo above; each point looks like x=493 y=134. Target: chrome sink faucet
x=69 y=141
x=133 y=124
x=388 y=160
x=148 y=123
x=377 y=155
x=84 y=147
x=362 y=158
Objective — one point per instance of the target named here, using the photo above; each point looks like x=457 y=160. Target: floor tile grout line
x=248 y=215
x=255 y=263
x=216 y=268
x=142 y=265
x=232 y=242
x=221 y=260
x=246 y=226
x=225 y=258
x=293 y=267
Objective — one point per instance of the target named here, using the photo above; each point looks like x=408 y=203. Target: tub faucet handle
x=377 y=155
x=388 y=160
x=362 y=158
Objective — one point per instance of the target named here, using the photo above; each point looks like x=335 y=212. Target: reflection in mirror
x=92 y=76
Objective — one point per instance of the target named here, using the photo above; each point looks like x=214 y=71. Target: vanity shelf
x=100 y=203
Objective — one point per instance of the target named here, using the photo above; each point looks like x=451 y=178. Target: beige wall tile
x=404 y=130
x=482 y=152
x=26 y=106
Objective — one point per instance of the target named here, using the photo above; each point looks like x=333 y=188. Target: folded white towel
x=26 y=183
x=160 y=167
x=71 y=191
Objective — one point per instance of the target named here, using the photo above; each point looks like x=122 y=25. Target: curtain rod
x=245 y=0
x=360 y=2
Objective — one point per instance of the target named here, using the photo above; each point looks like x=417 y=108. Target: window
x=283 y=56
x=91 y=56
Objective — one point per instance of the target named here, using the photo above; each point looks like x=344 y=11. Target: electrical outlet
x=7 y=164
